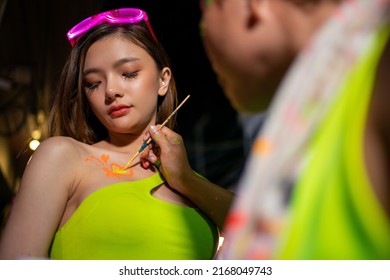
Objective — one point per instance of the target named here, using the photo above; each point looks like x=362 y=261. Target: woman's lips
x=118 y=111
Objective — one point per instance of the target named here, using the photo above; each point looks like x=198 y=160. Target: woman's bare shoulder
x=56 y=153
x=59 y=146
x=380 y=110
x=378 y=131
x=384 y=87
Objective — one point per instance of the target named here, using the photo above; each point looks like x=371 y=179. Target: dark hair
x=71 y=114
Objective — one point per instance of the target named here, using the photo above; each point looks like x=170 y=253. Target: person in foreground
x=317 y=181
x=75 y=200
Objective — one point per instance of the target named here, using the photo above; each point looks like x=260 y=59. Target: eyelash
x=93 y=86
x=131 y=75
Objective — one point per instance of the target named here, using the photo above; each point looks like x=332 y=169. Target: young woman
x=75 y=200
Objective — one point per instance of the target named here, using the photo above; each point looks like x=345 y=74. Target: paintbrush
x=146 y=143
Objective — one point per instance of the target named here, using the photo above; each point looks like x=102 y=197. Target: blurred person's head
x=251 y=43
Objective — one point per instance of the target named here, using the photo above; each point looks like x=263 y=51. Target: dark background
x=33 y=49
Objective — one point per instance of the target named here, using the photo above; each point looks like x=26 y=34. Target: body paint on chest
x=110 y=169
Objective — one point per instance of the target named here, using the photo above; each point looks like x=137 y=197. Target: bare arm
x=212 y=199
x=39 y=203
x=377 y=133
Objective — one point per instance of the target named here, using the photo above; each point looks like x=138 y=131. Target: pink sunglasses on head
x=117 y=16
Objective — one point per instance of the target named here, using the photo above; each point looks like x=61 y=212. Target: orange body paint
x=110 y=169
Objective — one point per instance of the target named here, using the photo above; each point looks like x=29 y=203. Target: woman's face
x=122 y=84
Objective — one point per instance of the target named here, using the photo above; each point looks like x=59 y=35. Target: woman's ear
x=166 y=75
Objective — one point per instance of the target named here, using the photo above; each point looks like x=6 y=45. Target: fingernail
x=154 y=128
x=151 y=156
x=146 y=136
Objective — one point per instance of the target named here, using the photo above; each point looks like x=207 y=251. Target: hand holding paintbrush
x=150 y=139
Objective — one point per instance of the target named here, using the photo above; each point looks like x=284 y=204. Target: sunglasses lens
x=119 y=16
x=125 y=16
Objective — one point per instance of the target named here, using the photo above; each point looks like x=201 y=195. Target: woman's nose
x=113 y=92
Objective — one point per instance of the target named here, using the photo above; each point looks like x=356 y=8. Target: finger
x=157 y=135
x=149 y=157
x=164 y=135
x=145 y=152
x=145 y=163
x=172 y=137
x=146 y=136
x=152 y=157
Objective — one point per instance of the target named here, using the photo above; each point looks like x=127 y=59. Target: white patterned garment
x=301 y=102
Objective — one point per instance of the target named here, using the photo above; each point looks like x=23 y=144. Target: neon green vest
x=335 y=213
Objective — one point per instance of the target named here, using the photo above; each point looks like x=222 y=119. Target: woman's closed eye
x=130 y=75
x=91 y=86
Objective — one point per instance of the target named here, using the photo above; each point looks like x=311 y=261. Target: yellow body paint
x=110 y=169
x=118 y=170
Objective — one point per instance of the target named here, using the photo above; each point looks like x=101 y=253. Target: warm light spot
x=36 y=134
x=34 y=144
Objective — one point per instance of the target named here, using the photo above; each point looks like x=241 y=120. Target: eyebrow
x=115 y=65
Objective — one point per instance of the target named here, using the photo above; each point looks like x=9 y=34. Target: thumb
x=165 y=136
x=157 y=135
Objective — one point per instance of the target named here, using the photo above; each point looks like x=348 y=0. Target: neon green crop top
x=340 y=217
x=124 y=221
